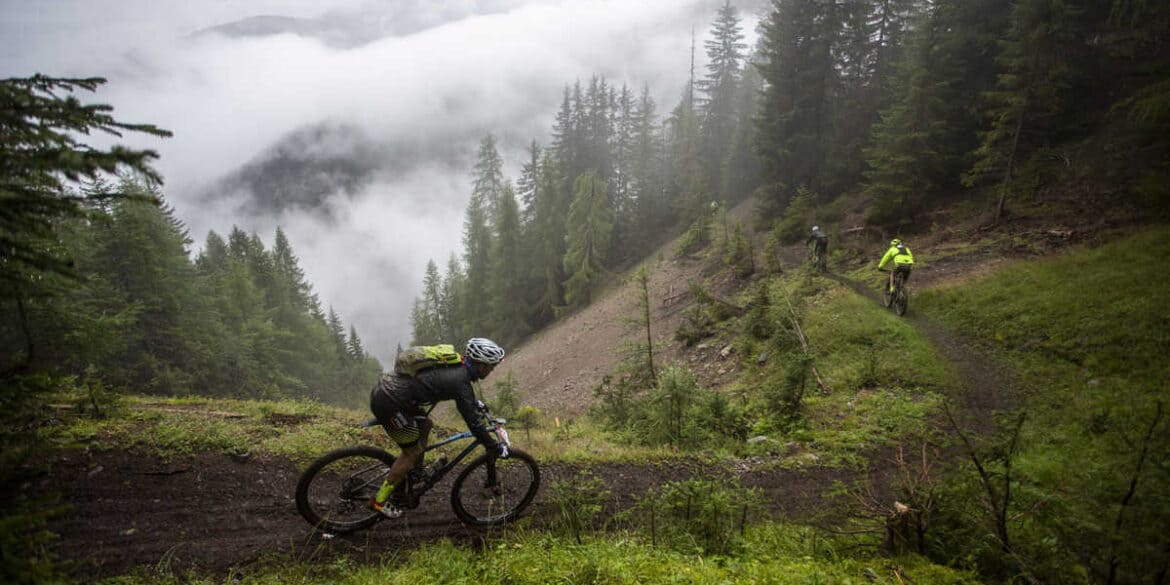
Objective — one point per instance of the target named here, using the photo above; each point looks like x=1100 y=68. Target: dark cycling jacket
x=418 y=394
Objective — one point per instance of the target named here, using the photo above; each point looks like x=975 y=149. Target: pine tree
x=720 y=88
x=144 y=252
x=687 y=184
x=43 y=153
x=794 y=124
x=337 y=332
x=477 y=242
x=488 y=176
x=1031 y=90
x=548 y=239
x=528 y=183
x=354 y=346
x=587 y=239
x=741 y=172
x=450 y=304
x=647 y=184
x=432 y=300
x=506 y=283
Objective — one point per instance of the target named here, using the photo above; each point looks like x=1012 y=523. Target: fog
x=352 y=125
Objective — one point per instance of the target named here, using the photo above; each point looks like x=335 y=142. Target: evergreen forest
x=896 y=109
x=1010 y=428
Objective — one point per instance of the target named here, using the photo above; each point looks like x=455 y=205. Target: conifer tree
x=795 y=119
x=647 y=184
x=450 y=304
x=506 y=283
x=337 y=332
x=477 y=242
x=587 y=239
x=720 y=88
x=548 y=237
x=488 y=176
x=433 y=302
x=528 y=183
x=1031 y=90
x=354 y=345
x=43 y=153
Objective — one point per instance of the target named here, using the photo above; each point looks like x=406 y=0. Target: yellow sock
x=384 y=491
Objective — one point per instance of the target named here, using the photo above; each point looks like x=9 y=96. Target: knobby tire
x=520 y=478
x=323 y=504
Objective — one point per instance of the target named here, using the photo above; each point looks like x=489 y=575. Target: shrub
x=578 y=503
x=698 y=516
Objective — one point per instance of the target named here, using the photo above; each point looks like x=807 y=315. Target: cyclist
x=821 y=247
x=903 y=261
x=401 y=405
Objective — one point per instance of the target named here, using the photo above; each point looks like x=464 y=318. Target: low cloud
x=428 y=90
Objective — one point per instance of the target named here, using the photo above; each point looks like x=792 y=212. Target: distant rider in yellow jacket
x=903 y=261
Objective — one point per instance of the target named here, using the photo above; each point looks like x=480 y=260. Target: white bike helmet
x=484 y=351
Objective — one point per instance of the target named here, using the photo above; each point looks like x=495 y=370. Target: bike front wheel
x=492 y=491
x=334 y=493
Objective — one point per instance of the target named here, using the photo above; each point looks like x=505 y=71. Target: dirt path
x=211 y=514
x=984 y=385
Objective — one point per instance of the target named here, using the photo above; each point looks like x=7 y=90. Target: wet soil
x=211 y=514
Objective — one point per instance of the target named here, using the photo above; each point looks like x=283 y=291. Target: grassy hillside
x=1087 y=333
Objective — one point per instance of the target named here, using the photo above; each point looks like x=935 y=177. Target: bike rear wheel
x=334 y=493
x=492 y=491
x=900 y=302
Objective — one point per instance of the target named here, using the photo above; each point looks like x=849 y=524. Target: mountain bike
x=334 y=492
x=898 y=298
x=818 y=258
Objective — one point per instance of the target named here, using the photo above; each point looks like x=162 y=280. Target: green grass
x=1088 y=328
x=179 y=427
x=777 y=554
x=884 y=377
x=1089 y=334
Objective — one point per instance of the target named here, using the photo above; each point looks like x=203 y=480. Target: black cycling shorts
x=401 y=422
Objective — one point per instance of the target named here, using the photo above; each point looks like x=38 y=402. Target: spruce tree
x=477 y=242
x=506 y=283
x=799 y=73
x=587 y=239
x=44 y=153
x=720 y=88
x=488 y=176
x=548 y=238
x=1031 y=90
x=450 y=304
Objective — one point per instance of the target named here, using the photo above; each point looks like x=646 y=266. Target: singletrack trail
x=212 y=515
x=984 y=385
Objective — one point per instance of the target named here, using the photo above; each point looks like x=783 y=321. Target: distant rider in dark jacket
x=401 y=404
x=821 y=247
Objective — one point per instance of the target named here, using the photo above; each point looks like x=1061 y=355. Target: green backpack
x=413 y=360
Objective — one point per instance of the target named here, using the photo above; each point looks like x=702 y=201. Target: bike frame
x=438 y=474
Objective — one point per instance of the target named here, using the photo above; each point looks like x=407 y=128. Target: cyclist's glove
x=499 y=450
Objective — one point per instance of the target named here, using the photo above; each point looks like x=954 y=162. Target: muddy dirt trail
x=212 y=514
x=983 y=384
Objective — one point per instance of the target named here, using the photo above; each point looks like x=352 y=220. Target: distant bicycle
x=334 y=493
x=898 y=298
x=817 y=256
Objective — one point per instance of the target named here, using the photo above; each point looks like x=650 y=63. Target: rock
x=758 y=439
x=703 y=345
x=763 y=359
x=725 y=352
